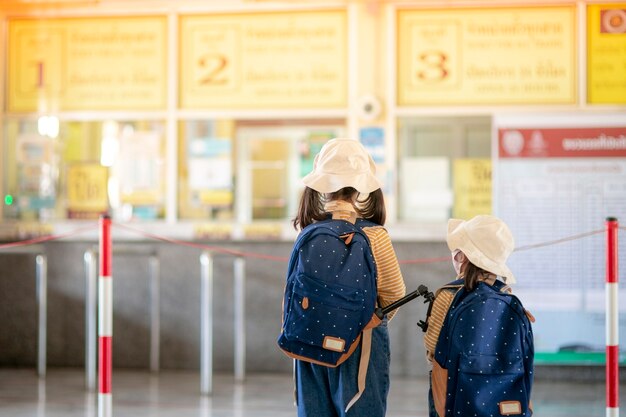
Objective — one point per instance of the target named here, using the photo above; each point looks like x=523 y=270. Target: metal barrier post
x=91 y=312
x=612 y=320
x=155 y=319
x=41 y=295
x=42 y=298
x=206 y=323
x=240 y=318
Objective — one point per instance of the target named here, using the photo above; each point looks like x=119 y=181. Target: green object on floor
x=574 y=358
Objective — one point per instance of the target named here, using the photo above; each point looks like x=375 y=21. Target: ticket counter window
x=444 y=168
x=56 y=170
x=240 y=171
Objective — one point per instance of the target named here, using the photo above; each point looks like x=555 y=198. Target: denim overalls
x=325 y=392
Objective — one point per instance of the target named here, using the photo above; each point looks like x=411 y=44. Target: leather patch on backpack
x=334 y=343
x=508 y=408
x=347 y=238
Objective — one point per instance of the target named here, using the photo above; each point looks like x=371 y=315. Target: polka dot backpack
x=484 y=355
x=330 y=293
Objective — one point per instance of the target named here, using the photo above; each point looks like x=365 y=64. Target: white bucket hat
x=486 y=241
x=343 y=163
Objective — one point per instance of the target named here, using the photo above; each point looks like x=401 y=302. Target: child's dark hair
x=472 y=275
x=311 y=207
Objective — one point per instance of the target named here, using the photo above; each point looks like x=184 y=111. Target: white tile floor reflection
x=167 y=394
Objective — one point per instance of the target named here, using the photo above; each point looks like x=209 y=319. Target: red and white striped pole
x=612 y=320
x=105 y=320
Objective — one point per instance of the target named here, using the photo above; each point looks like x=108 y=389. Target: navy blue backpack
x=330 y=294
x=485 y=354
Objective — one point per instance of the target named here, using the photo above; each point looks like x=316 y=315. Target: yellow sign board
x=213 y=231
x=112 y=63
x=509 y=55
x=263 y=60
x=216 y=197
x=262 y=231
x=606 y=53
x=87 y=188
x=472 y=188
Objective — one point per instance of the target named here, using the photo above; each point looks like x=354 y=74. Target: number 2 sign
x=214 y=59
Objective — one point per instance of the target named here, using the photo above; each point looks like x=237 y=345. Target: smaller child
x=480 y=248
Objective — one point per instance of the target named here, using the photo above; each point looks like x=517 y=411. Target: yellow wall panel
x=112 y=63
x=606 y=53
x=263 y=60
x=487 y=56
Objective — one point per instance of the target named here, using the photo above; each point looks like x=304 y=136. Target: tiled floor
x=137 y=393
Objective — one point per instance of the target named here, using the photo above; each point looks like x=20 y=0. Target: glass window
x=444 y=168
x=55 y=170
x=269 y=163
x=206 y=166
x=272 y=160
x=243 y=170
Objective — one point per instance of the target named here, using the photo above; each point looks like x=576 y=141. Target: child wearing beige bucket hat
x=480 y=248
x=343 y=186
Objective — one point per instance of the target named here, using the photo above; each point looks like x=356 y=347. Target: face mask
x=457 y=261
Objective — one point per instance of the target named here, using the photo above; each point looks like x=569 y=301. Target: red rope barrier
x=284 y=259
x=557 y=241
x=201 y=246
x=425 y=260
x=46 y=238
x=234 y=252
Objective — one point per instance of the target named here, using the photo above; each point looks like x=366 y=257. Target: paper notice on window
x=559 y=186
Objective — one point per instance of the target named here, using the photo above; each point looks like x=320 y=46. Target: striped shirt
x=435 y=320
x=390 y=283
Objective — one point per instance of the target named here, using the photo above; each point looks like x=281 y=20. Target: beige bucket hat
x=486 y=241
x=343 y=163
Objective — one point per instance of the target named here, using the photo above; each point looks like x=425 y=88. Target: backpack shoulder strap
x=434 y=320
x=503 y=288
x=366 y=349
x=366 y=223
x=500 y=286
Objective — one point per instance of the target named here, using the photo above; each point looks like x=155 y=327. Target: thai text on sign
x=487 y=56
x=264 y=60
x=87 y=64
